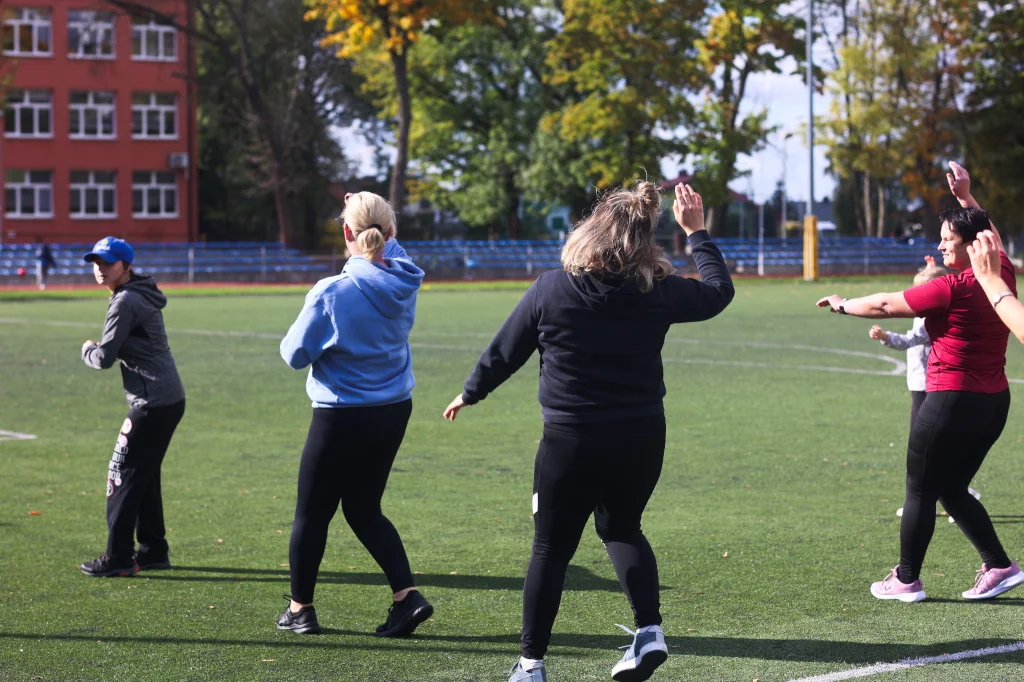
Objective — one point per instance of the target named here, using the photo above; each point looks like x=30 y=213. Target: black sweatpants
x=916 y=401
x=134 y=501
x=608 y=469
x=953 y=432
x=347 y=459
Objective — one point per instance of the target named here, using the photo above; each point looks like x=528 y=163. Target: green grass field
x=775 y=511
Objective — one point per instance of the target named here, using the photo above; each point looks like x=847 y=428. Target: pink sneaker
x=994 y=581
x=892 y=588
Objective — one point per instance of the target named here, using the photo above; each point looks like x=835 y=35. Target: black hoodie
x=134 y=334
x=600 y=338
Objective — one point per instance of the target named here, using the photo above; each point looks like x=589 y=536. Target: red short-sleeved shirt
x=968 y=338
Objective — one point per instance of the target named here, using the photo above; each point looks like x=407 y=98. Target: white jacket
x=918 y=347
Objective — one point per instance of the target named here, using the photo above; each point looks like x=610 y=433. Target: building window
x=27 y=33
x=153 y=42
x=92 y=194
x=29 y=113
x=155 y=115
x=90 y=34
x=91 y=115
x=28 y=194
x=154 y=194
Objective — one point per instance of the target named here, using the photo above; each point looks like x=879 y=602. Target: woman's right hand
x=453 y=408
x=878 y=333
x=688 y=209
x=960 y=185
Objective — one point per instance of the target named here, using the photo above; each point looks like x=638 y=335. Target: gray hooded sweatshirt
x=134 y=334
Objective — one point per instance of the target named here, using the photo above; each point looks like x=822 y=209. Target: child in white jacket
x=918 y=347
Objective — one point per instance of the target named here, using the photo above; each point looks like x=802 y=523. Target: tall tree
x=391 y=26
x=741 y=39
x=271 y=95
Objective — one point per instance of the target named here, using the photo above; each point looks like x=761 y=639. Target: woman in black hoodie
x=599 y=325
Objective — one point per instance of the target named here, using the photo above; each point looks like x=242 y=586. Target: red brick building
x=99 y=133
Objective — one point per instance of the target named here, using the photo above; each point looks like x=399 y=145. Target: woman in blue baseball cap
x=134 y=334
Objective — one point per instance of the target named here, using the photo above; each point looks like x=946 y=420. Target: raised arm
x=875 y=306
x=987 y=265
x=699 y=300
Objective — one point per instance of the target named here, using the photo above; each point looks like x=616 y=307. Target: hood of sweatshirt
x=605 y=290
x=145 y=286
x=389 y=287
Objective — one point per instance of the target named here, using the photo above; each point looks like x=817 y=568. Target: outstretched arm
x=874 y=306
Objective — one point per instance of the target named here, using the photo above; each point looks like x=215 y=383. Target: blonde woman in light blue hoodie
x=353 y=334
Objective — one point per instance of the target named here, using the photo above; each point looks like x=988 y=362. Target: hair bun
x=648 y=193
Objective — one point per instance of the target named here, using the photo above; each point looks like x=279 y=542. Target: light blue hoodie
x=354 y=331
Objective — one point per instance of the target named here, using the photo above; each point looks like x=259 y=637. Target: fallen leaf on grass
x=212 y=607
x=452 y=573
x=417 y=572
x=220 y=539
x=691 y=629
x=269 y=660
x=283 y=565
x=725 y=556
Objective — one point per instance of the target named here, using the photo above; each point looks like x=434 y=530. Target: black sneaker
x=302 y=622
x=405 y=615
x=148 y=562
x=105 y=567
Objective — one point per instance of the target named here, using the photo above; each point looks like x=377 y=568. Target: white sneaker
x=538 y=674
x=643 y=656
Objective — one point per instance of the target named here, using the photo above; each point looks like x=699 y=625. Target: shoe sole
x=907 y=597
x=646 y=666
x=158 y=566
x=121 y=573
x=406 y=628
x=301 y=630
x=1005 y=586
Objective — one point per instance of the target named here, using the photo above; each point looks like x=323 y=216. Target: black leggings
x=610 y=470
x=953 y=432
x=348 y=456
x=135 y=505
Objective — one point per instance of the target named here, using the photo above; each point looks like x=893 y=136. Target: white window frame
x=141 y=29
x=16 y=102
x=94 y=28
x=40 y=19
x=95 y=185
x=77 y=112
x=149 y=186
x=151 y=108
x=36 y=187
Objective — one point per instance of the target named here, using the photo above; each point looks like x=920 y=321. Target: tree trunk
x=399 y=63
x=709 y=220
x=283 y=209
x=869 y=220
x=514 y=224
x=881 y=210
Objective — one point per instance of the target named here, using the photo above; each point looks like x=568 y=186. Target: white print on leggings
x=120 y=450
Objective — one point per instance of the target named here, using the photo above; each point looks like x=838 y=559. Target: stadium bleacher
x=269 y=261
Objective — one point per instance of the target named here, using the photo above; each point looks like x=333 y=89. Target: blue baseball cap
x=111 y=250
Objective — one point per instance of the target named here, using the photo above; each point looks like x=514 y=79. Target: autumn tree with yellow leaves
x=392 y=28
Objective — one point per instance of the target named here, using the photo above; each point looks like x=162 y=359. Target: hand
x=929 y=261
x=87 y=344
x=834 y=301
x=452 y=410
x=688 y=209
x=984 y=253
x=878 y=333
x=960 y=184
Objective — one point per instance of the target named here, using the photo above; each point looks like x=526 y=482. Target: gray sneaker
x=642 y=657
x=534 y=675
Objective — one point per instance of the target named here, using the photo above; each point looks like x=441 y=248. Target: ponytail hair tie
x=375 y=225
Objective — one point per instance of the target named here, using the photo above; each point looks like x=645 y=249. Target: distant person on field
x=599 y=325
x=966 y=405
x=353 y=333
x=134 y=334
x=918 y=347
x=44 y=261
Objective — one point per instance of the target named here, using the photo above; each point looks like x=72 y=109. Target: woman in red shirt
x=965 y=409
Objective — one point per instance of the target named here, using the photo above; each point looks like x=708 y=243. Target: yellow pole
x=810 y=248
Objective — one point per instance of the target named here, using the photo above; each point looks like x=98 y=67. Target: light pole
x=785 y=199
x=810 y=106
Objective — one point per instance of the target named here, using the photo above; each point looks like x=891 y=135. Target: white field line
x=880 y=668
x=899 y=367
x=14 y=435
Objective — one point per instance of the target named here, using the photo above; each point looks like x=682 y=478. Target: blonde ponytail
x=371 y=243
x=371 y=220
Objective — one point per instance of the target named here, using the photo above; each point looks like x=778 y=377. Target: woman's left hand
x=984 y=253
x=452 y=410
x=834 y=300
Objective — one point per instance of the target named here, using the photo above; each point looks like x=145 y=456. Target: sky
x=785 y=97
